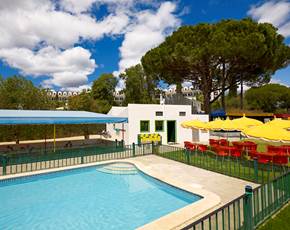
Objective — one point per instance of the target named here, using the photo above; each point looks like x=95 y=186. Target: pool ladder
x=118 y=168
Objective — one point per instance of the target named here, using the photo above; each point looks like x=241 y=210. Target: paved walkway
x=226 y=187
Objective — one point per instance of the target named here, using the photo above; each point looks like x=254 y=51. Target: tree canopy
x=140 y=88
x=217 y=57
x=269 y=98
x=83 y=102
x=103 y=88
x=19 y=93
x=100 y=99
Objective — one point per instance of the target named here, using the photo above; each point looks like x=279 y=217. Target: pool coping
x=174 y=220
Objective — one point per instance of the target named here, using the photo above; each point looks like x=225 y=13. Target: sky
x=67 y=44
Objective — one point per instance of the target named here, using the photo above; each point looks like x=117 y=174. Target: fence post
x=133 y=149
x=256 y=175
x=116 y=143
x=187 y=156
x=152 y=144
x=4 y=163
x=82 y=159
x=248 y=208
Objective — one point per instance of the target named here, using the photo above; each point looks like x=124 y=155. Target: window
x=159 y=113
x=144 y=126
x=159 y=126
x=182 y=114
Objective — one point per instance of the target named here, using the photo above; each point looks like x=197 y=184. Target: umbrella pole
x=44 y=138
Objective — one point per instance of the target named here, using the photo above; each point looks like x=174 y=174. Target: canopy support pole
x=45 y=127
x=54 y=138
x=123 y=131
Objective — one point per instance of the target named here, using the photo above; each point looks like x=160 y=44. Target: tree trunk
x=242 y=94
x=178 y=88
x=223 y=87
x=207 y=105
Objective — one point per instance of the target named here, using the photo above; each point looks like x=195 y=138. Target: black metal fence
x=237 y=167
x=249 y=210
x=27 y=162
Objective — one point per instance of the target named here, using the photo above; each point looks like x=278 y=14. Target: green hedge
x=34 y=132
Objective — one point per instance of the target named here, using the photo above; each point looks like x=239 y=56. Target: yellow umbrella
x=280 y=123
x=215 y=124
x=229 y=125
x=184 y=124
x=194 y=124
x=268 y=132
x=245 y=122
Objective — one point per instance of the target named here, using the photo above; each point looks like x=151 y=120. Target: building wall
x=111 y=128
x=138 y=112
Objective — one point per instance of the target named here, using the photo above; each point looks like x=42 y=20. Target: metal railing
x=27 y=162
x=252 y=208
x=248 y=211
x=237 y=167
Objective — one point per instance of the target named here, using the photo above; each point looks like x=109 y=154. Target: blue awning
x=218 y=113
x=34 y=117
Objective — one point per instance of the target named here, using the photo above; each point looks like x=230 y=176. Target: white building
x=164 y=120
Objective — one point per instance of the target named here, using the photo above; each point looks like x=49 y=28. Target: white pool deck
x=216 y=189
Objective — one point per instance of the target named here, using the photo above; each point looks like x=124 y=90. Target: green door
x=171 y=129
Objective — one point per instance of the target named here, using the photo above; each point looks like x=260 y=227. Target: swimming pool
x=87 y=198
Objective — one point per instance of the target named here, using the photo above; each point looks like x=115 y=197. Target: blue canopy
x=34 y=117
x=218 y=113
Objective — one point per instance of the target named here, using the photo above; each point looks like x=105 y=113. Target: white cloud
x=275 y=12
x=38 y=36
x=76 y=6
x=39 y=21
x=149 y=30
x=33 y=32
x=67 y=68
x=78 y=89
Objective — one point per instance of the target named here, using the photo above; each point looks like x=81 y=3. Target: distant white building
x=188 y=92
x=62 y=95
x=155 y=119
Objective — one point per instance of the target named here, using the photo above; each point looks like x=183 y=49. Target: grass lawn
x=243 y=169
x=280 y=221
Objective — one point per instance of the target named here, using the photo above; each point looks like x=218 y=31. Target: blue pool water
x=86 y=199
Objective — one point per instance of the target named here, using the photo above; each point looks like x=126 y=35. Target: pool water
x=86 y=199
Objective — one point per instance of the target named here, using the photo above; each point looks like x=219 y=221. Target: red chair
x=223 y=142
x=213 y=142
x=189 y=146
x=237 y=145
x=236 y=153
x=252 y=146
x=253 y=154
x=221 y=153
x=287 y=149
x=263 y=159
x=201 y=147
x=280 y=160
x=280 y=150
x=187 y=143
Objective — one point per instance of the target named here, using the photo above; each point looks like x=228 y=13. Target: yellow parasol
x=194 y=124
x=285 y=124
x=215 y=124
x=245 y=122
x=229 y=125
x=268 y=132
